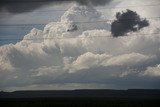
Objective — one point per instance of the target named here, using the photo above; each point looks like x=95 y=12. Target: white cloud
x=60 y=54
x=153 y=71
x=88 y=60
x=129 y=59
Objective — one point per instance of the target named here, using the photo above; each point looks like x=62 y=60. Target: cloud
x=90 y=60
x=93 y=2
x=126 y=22
x=87 y=61
x=21 y=6
x=153 y=71
x=129 y=59
x=87 y=55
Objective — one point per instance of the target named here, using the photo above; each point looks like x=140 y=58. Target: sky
x=69 y=45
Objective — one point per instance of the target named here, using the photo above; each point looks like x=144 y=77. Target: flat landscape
x=81 y=98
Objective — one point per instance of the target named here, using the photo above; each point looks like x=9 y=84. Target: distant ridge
x=85 y=93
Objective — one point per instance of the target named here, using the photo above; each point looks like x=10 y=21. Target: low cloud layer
x=128 y=21
x=88 y=54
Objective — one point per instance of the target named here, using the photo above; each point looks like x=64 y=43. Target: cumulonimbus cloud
x=56 y=55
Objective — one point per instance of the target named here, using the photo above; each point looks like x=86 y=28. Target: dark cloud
x=93 y=2
x=126 y=22
x=20 y=6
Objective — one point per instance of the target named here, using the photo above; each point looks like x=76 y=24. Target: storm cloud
x=88 y=55
x=93 y=2
x=126 y=22
x=21 y=6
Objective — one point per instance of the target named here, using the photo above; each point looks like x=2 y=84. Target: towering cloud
x=126 y=22
x=88 y=54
